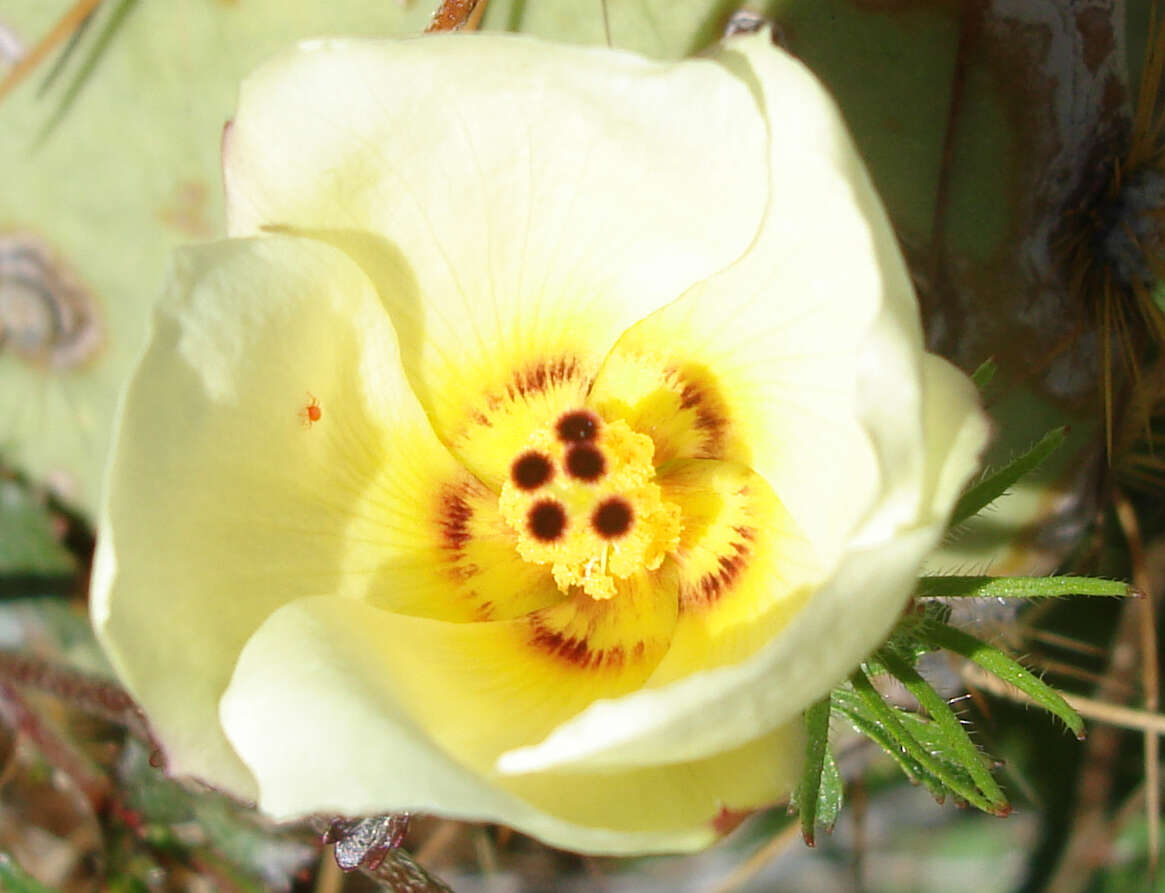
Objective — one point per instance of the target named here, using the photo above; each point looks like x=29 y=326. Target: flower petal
x=776 y=359
x=844 y=621
x=955 y=429
x=545 y=196
x=482 y=688
x=268 y=448
x=440 y=547
x=707 y=712
x=323 y=728
x=744 y=568
x=672 y=796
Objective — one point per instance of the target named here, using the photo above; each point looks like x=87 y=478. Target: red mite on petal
x=311 y=413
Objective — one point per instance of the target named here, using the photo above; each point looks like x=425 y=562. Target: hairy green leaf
x=996 y=662
x=995 y=484
x=952 y=776
x=1019 y=587
x=810 y=792
x=847 y=703
x=952 y=739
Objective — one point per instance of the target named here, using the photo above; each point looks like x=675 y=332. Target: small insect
x=311 y=412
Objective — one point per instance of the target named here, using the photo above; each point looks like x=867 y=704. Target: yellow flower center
x=582 y=498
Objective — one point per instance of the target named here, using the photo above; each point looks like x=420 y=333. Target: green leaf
x=1006 y=668
x=853 y=708
x=1019 y=587
x=950 y=736
x=15 y=879
x=65 y=55
x=995 y=484
x=830 y=794
x=269 y=858
x=813 y=800
x=105 y=36
x=985 y=374
x=908 y=636
x=953 y=777
x=28 y=544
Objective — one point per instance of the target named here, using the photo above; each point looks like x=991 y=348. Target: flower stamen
x=600 y=520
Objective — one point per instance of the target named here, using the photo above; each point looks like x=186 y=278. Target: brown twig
x=372 y=846
x=752 y=866
x=99 y=697
x=329 y=877
x=457 y=15
x=1099 y=711
x=57 y=750
x=1127 y=518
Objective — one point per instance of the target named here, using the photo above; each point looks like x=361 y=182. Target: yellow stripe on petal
x=744 y=567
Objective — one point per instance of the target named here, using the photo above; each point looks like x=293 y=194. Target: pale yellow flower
x=553 y=429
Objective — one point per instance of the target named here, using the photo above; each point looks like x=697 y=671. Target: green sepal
x=1020 y=587
x=819 y=794
x=996 y=483
x=996 y=662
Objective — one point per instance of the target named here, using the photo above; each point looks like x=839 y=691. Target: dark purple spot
x=585 y=462
x=612 y=518
x=577 y=426
x=531 y=470
x=547 y=520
